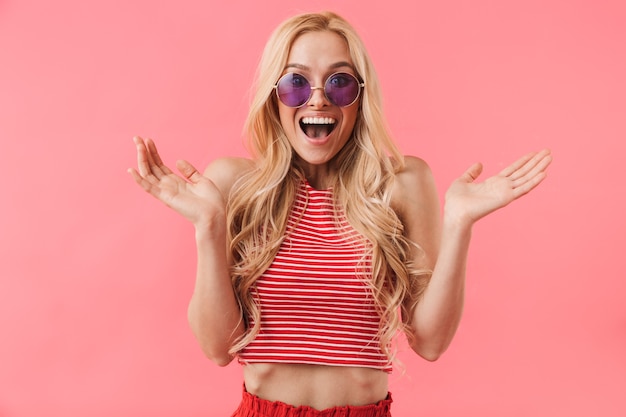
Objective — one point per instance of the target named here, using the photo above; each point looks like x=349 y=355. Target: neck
x=319 y=177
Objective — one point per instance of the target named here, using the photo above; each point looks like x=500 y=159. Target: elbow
x=430 y=346
x=216 y=354
x=431 y=353
x=221 y=363
x=213 y=350
x=220 y=360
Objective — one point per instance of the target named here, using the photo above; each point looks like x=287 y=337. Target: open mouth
x=317 y=127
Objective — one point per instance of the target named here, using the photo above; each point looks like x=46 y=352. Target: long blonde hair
x=260 y=203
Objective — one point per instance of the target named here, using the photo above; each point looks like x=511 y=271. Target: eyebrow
x=336 y=65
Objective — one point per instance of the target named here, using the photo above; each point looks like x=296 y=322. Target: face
x=318 y=130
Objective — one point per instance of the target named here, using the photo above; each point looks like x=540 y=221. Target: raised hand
x=468 y=200
x=192 y=195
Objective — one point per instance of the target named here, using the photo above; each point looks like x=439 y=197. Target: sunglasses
x=341 y=89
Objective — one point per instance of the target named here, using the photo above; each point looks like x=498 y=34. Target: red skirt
x=253 y=406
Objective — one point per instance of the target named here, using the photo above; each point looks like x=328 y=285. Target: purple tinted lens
x=342 y=89
x=293 y=90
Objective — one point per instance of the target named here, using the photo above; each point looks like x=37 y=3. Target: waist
x=316 y=386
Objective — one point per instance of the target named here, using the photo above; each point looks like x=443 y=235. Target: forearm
x=437 y=315
x=214 y=314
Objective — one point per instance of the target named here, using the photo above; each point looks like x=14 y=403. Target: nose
x=318 y=98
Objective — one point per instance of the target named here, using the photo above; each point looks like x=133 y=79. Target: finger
x=538 y=163
x=143 y=182
x=143 y=163
x=531 y=171
x=534 y=177
x=472 y=172
x=152 y=156
x=160 y=168
x=521 y=164
x=529 y=185
x=517 y=164
x=189 y=171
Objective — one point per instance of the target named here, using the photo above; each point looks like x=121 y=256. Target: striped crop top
x=316 y=307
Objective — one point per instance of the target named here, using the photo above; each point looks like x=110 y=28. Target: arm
x=446 y=243
x=213 y=313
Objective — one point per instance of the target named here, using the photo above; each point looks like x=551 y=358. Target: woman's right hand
x=192 y=195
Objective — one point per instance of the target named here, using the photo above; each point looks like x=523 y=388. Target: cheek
x=286 y=116
x=349 y=121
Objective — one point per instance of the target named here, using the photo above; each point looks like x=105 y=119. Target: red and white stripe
x=316 y=307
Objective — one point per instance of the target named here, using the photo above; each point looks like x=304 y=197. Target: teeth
x=318 y=120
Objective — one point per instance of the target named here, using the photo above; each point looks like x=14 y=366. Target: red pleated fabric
x=253 y=406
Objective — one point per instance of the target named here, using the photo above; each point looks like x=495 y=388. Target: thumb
x=188 y=171
x=472 y=172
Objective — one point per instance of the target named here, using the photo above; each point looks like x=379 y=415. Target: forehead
x=319 y=51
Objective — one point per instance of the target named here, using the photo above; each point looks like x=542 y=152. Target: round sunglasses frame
x=360 y=86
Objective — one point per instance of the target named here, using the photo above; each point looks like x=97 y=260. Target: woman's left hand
x=467 y=200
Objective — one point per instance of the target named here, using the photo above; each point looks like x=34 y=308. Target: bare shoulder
x=416 y=202
x=415 y=169
x=414 y=184
x=224 y=172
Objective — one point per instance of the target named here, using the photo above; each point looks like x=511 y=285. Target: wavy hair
x=261 y=201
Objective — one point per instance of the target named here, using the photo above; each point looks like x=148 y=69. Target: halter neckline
x=310 y=188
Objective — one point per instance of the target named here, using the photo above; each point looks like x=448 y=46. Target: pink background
x=95 y=276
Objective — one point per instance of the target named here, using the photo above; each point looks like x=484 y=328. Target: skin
x=316 y=56
x=213 y=312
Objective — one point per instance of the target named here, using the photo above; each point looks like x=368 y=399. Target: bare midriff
x=317 y=386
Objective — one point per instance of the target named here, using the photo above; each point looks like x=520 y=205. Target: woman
x=316 y=252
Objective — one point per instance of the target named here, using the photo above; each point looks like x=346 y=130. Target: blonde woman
x=313 y=254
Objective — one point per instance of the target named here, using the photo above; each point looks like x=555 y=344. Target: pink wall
x=95 y=276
